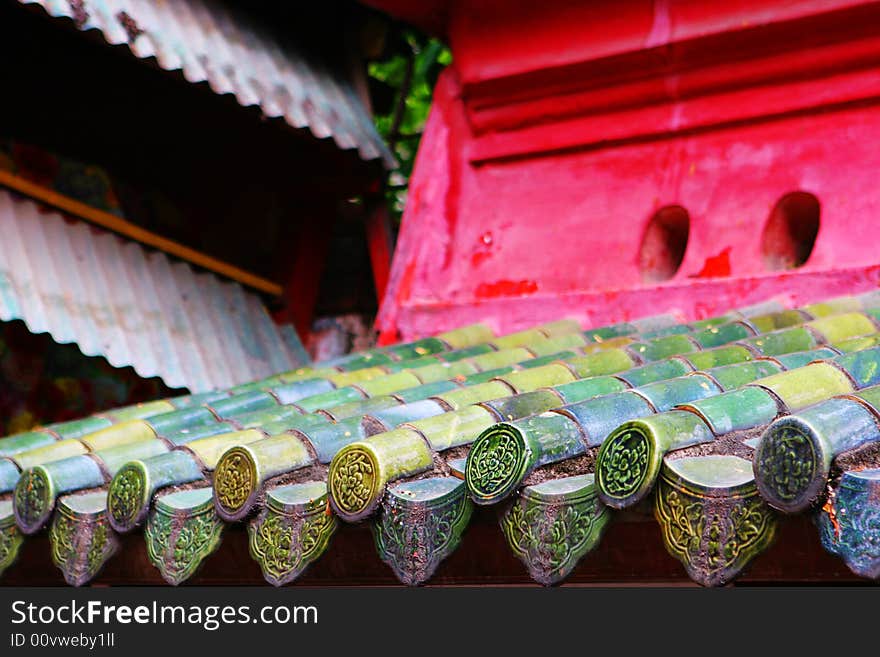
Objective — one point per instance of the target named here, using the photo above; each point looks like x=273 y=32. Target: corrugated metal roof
x=115 y=299
x=234 y=55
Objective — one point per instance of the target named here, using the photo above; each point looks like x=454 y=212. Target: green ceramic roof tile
x=794 y=455
x=78 y=428
x=244 y=469
x=298 y=494
x=591 y=387
x=457 y=467
x=532 y=379
x=529 y=403
x=784 y=341
x=733 y=376
x=133 y=486
x=597 y=417
x=457 y=399
x=301 y=423
x=487 y=375
x=420 y=524
x=423 y=490
x=9 y=474
x=389 y=384
x=81 y=538
x=649 y=324
x=501 y=358
x=863 y=367
x=504 y=454
x=604 y=362
x=54 y=452
x=662 y=369
x=629 y=459
x=470 y=393
x=721 y=471
x=390 y=418
x=807 y=385
x=290 y=393
x=540 y=361
x=209 y=450
x=723 y=334
x=183 y=418
x=558 y=344
x=427 y=390
x=847 y=522
x=836 y=328
x=655 y=322
x=658 y=348
x=183 y=500
x=736 y=410
x=329 y=439
x=360 y=471
x=445 y=371
x=623 y=482
x=11 y=538
x=801 y=358
x=24 y=441
x=467 y=352
x=522 y=446
x=292 y=530
x=855 y=344
x=702 y=501
x=39 y=487
x=703 y=360
x=765 y=323
x=664 y=395
x=331 y=399
x=454 y=429
x=677 y=329
x=709 y=322
x=833 y=306
x=551 y=526
x=182 y=530
x=359 y=407
x=417 y=349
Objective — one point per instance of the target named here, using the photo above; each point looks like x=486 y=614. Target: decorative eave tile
x=11 y=538
x=182 y=530
x=849 y=522
x=292 y=531
x=711 y=515
x=420 y=524
x=81 y=537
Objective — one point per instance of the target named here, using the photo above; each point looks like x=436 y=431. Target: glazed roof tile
x=296 y=471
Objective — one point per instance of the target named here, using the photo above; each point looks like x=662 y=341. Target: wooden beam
x=136 y=233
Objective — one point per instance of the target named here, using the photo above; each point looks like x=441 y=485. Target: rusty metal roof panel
x=232 y=53
x=113 y=298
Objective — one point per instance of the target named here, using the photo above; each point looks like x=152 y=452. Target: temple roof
x=720 y=428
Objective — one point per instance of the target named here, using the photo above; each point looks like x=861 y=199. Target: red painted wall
x=562 y=127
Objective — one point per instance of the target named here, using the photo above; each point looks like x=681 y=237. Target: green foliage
x=403 y=84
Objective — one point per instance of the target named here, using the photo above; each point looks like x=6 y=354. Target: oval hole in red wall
x=664 y=243
x=790 y=232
